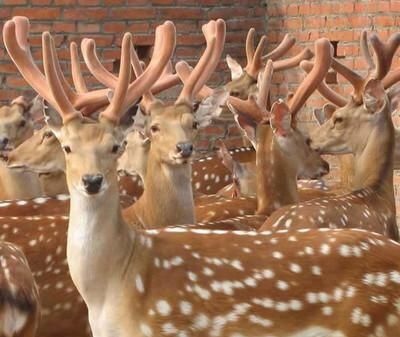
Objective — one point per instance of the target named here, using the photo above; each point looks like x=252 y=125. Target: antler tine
x=323 y=56
x=15 y=36
x=256 y=64
x=323 y=88
x=247 y=108
x=77 y=77
x=164 y=46
x=365 y=50
x=391 y=78
x=148 y=97
x=250 y=45
x=265 y=85
x=188 y=88
x=183 y=70
x=384 y=53
x=114 y=110
x=166 y=80
x=286 y=44
x=94 y=65
x=217 y=29
x=65 y=107
x=355 y=79
x=291 y=62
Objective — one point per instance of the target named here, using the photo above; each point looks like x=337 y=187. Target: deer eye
x=48 y=134
x=154 y=128
x=235 y=93
x=22 y=123
x=308 y=141
x=67 y=149
x=115 y=148
x=338 y=120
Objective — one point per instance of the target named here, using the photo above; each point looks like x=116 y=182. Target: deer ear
x=374 y=96
x=36 y=108
x=211 y=107
x=246 y=124
x=235 y=68
x=281 y=118
x=52 y=119
x=321 y=115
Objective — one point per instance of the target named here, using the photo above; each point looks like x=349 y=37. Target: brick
x=37 y=13
x=40 y=2
x=14 y=2
x=114 y=27
x=89 y=2
x=65 y=2
x=163 y=2
x=87 y=14
x=133 y=13
x=88 y=27
x=180 y=13
x=64 y=27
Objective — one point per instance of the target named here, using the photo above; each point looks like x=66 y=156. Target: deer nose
x=3 y=142
x=185 y=149
x=325 y=166
x=92 y=183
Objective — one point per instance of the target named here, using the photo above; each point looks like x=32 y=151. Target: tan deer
x=63 y=310
x=16 y=125
x=168 y=196
x=19 y=304
x=363 y=127
x=282 y=154
x=214 y=285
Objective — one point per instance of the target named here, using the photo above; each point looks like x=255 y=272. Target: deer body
x=19 y=308
x=365 y=128
x=370 y=206
x=167 y=198
x=18 y=185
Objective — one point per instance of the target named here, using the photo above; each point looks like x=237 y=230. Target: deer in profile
x=363 y=127
x=326 y=294
x=282 y=151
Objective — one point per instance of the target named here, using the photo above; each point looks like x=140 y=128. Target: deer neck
x=168 y=197
x=18 y=184
x=373 y=161
x=346 y=164
x=53 y=183
x=276 y=175
x=100 y=245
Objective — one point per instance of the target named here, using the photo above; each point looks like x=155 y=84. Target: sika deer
x=168 y=196
x=16 y=125
x=338 y=274
x=19 y=304
x=363 y=127
x=282 y=151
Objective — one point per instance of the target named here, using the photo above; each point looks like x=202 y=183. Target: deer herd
x=98 y=209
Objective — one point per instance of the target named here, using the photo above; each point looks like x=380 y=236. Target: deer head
x=244 y=81
x=172 y=128
x=16 y=122
x=41 y=153
x=347 y=130
x=252 y=116
x=91 y=149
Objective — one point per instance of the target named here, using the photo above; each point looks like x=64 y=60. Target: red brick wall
x=337 y=20
x=106 y=20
